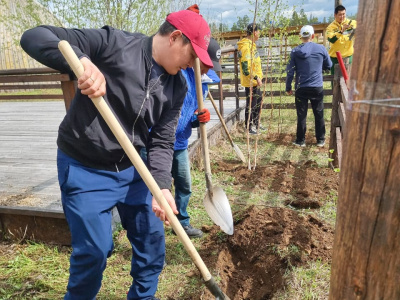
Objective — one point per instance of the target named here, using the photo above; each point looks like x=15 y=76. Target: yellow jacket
x=246 y=53
x=339 y=40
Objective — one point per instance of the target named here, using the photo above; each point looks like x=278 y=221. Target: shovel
x=131 y=152
x=215 y=201
x=235 y=147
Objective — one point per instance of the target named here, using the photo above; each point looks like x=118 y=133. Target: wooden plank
x=27 y=71
x=31 y=97
x=29 y=211
x=29 y=86
x=34 y=78
x=344 y=91
x=342 y=117
x=326 y=78
x=339 y=146
x=242 y=94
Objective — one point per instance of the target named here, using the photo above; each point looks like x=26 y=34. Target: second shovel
x=235 y=147
x=215 y=201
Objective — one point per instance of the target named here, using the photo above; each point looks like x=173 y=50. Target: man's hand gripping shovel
x=131 y=152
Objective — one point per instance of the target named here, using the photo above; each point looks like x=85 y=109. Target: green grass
x=306 y=283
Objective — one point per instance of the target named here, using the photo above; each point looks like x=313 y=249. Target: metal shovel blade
x=239 y=153
x=219 y=209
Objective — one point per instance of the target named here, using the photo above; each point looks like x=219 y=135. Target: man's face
x=340 y=16
x=256 y=35
x=181 y=56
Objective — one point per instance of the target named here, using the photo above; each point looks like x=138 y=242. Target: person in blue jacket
x=189 y=119
x=308 y=61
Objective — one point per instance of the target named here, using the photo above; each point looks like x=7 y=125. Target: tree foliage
x=241 y=23
x=131 y=15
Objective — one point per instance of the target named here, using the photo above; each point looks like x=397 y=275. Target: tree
x=295 y=19
x=241 y=23
x=303 y=19
x=313 y=20
x=132 y=15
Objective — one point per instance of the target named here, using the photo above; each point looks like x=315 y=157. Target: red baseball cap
x=196 y=29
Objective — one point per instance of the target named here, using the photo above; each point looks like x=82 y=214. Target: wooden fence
x=15 y=80
x=46 y=78
x=231 y=66
x=338 y=117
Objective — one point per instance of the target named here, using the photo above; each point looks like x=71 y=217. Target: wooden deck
x=28 y=171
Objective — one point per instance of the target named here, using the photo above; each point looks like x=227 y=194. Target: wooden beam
x=31 y=97
x=339 y=146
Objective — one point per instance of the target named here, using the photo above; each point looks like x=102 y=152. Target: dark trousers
x=316 y=97
x=255 y=105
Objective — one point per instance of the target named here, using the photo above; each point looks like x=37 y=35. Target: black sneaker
x=320 y=144
x=299 y=144
x=191 y=231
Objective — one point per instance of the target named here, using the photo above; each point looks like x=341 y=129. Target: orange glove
x=203 y=116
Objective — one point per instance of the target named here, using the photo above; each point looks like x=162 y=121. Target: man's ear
x=174 y=36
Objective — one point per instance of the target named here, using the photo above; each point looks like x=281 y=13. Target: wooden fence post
x=366 y=253
x=236 y=71
x=335 y=122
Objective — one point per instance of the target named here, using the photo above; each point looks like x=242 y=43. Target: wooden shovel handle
x=203 y=128
x=135 y=158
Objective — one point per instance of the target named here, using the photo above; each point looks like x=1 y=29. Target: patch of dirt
x=270 y=240
x=267 y=241
x=304 y=180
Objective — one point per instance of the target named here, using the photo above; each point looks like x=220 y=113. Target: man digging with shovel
x=140 y=79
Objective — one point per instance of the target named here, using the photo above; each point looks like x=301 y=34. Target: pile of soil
x=266 y=243
x=269 y=241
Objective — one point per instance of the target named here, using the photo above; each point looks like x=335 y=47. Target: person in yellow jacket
x=341 y=36
x=251 y=75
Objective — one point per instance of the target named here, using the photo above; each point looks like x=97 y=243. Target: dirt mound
x=252 y=262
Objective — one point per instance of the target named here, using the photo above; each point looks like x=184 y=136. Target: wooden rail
x=232 y=67
x=338 y=117
x=36 y=79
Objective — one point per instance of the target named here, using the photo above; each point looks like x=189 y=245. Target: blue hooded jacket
x=188 y=120
x=308 y=60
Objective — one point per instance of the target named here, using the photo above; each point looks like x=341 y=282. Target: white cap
x=306 y=31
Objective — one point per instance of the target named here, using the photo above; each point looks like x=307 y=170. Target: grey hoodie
x=308 y=61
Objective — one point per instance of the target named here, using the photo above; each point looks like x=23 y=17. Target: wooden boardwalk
x=28 y=133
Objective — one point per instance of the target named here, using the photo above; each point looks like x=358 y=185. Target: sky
x=229 y=10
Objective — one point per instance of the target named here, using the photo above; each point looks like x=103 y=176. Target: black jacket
x=144 y=98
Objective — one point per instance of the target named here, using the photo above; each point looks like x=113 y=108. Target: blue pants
x=182 y=183
x=88 y=196
x=316 y=97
